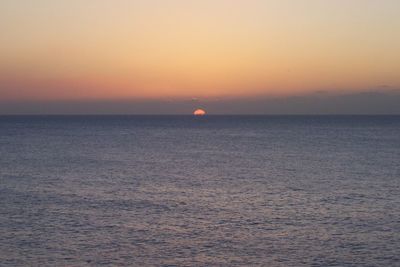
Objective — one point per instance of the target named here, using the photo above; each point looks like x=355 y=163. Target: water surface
x=200 y=191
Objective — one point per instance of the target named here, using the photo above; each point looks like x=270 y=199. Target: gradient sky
x=155 y=50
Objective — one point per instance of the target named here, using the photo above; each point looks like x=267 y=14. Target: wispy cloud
x=378 y=101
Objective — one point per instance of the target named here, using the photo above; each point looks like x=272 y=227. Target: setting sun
x=199 y=112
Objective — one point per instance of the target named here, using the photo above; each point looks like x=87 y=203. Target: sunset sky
x=144 y=51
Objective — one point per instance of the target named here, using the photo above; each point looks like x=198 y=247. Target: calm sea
x=200 y=191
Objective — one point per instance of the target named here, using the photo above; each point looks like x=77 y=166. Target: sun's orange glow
x=182 y=49
x=199 y=112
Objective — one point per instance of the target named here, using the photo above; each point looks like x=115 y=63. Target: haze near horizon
x=158 y=57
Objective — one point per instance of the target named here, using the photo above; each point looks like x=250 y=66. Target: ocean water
x=200 y=191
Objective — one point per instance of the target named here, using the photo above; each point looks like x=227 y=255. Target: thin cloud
x=376 y=101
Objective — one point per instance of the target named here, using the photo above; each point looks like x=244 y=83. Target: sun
x=199 y=112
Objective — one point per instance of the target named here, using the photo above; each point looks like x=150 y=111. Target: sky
x=171 y=56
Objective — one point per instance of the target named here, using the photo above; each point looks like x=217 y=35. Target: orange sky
x=154 y=49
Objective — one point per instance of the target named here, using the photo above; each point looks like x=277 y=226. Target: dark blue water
x=209 y=191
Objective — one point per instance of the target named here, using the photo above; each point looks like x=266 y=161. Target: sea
x=199 y=191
